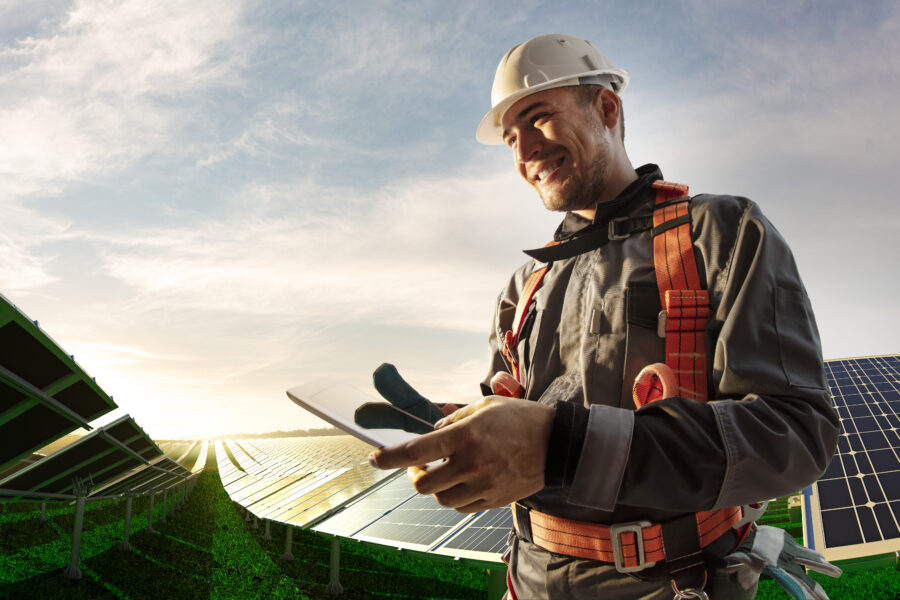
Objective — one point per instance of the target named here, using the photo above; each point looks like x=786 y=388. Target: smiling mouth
x=548 y=170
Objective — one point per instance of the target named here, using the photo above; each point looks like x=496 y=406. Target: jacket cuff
x=604 y=455
x=566 y=439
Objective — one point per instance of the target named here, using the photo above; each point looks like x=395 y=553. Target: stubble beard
x=584 y=186
x=577 y=192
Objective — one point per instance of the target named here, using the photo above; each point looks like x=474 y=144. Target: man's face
x=561 y=148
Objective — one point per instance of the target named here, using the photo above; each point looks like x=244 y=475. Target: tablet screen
x=370 y=419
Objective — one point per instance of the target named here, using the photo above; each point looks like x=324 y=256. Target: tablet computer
x=369 y=419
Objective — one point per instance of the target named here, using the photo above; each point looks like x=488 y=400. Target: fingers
x=448 y=409
x=461 y=413
x=422 y=450
x=444 y=482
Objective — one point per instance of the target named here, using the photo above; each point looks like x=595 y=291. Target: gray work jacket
x=769 y=428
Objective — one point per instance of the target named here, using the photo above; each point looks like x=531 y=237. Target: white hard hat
x=541 y=63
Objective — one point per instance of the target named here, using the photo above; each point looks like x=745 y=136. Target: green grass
x=208 y=550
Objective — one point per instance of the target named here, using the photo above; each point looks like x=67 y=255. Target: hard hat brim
x=489 y=131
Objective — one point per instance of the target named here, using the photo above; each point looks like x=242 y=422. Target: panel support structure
x=165 y=506
x=125 y=543
x=73 y=571
x=334 y=586
x=288 y=540
x=496 y=583
x=150 y=515
x=268 y=534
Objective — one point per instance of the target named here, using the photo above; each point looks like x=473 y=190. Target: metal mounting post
x=125 y=543
x=162 y=519
x=268 y=534
x=334 y=586
x=496 y=583
x=81 y=490
x=288 y=540
x=150 y=514
x=44 y=512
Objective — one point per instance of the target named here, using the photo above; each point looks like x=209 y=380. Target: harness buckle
x=614 y=230
x=615 y=535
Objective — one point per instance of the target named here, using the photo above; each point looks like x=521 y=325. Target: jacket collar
x=635 y=192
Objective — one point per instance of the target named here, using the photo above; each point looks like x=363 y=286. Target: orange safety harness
x=638 y=545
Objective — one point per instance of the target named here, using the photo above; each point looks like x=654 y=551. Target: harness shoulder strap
x=685 y=304
x=511 y=338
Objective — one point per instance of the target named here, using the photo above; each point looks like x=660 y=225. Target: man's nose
x=528 y=144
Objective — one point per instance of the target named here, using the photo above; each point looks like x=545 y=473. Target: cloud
x=105 y=87
x=417 y=253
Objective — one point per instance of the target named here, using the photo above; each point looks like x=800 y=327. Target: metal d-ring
x=688 y=593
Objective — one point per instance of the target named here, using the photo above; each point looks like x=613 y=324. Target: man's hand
x=495 y=451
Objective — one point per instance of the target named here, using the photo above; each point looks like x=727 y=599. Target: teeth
x=547 y=170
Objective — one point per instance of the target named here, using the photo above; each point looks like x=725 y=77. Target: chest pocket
x=643 y=346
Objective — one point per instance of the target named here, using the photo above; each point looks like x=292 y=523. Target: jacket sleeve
x=769 y=429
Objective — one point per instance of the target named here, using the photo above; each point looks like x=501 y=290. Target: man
x=576 y=458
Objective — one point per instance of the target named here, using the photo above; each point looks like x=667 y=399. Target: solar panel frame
x=160 y=474
x=44 y=393
x=101 y=456
x=483 y=538
x=853 y=510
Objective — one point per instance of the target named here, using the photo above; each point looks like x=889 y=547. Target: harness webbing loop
x=511 y=338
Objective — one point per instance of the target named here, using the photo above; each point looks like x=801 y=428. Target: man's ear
x=608 y=107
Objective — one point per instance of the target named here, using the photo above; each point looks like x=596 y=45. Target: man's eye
x=539 y=118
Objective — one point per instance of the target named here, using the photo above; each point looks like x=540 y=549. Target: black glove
x=375 y=415
x=395 y=390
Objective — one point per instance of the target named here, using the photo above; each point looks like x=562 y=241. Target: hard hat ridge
x=545 y=62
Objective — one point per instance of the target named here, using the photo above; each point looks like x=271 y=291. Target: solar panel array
x=160 y=474
x=102 y=455
x=854 y=509
x=44 y=394
x=395 y=515
x=297 y=480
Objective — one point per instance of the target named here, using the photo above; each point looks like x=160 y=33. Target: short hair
x=585 y=94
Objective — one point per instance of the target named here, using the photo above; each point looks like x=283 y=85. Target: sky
x=208 y=202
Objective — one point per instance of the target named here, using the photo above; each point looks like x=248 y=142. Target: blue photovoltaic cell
x=487 y=533
x=859 y=493
x=419 y=520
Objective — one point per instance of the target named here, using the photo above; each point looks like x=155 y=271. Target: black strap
x=682 y=544
x=671 y=224
x=523 y=522
x=671 y=202
x=591 y=239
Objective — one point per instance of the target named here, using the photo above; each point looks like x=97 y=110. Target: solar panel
x=298 y=480
x=482 y=538
x=200 y=463
x=160 y=474
x=98 y=457
x=395 y=515
x=44 y=394
x=368 y=509
x=854 y=509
